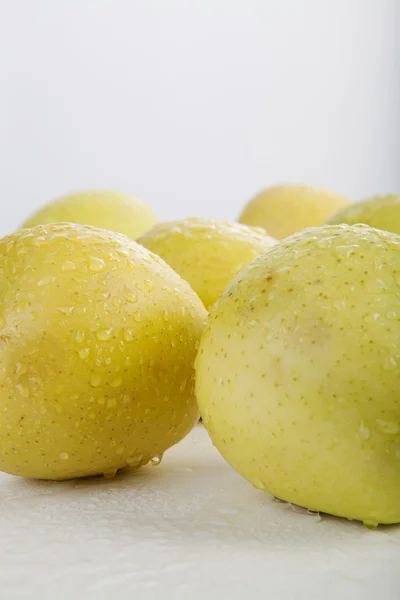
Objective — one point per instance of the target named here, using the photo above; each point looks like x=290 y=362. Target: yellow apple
x=382 y=212
x=207 y=253
x=285 y=209
x=97 y=343
x=297 y=376
x=108 y=210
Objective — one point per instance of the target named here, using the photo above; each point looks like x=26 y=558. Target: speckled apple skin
x=101 y=208
x=97 y=345
x=297 y=376
x=207 y=253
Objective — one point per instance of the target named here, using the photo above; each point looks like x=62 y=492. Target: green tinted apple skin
x=297 y=374
x=97 y=339
x=207 y=253
x=381 y=212
x=101 y=208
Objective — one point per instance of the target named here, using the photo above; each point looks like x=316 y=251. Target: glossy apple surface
x=297 y=376
x=97 y=342
x=207 y=253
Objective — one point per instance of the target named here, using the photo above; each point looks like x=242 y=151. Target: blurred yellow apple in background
x=109 y=210
x=285 y=209
x=382 y=212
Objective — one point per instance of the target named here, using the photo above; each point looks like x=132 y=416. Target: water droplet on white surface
x=228 y=510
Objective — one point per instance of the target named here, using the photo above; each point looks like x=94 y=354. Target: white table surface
x=189 y=528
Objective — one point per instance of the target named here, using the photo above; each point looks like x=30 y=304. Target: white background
x=196 y=105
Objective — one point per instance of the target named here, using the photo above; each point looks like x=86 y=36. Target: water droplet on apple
x=23 y=390
x=96 y=264
x=344 y=251
x=104 y=334
x=131 y=297
x=110 y=473
x=134 y=460
x=156 y=460
x=57 y=406
x=95 y=380
x=391 y=315
x=68 y=265
x=20 y=370
x=258 y=484
x=79 y=337
x=374 y=285
x=363 y=431
x=66 y=310
x=46 y=280
x=389 y=363
x=117 y=382
x=128 y=335
x=389 y=427
x=148 y=284
x=371 y=524
x=39 y=241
